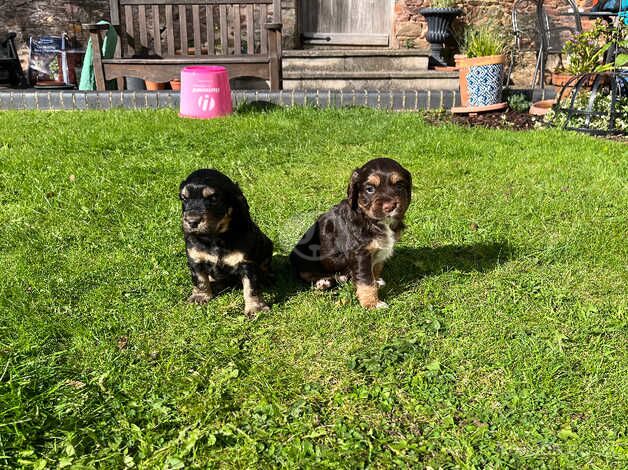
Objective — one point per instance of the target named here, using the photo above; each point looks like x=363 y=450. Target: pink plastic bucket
x=205 y=92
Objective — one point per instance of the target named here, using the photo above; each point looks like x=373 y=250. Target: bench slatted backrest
x=175 y=28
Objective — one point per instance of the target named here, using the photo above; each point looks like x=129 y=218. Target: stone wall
x=40 y=17
x=409 y=27
x=289 y=12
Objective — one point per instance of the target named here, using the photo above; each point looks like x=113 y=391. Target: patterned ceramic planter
x=481 y=80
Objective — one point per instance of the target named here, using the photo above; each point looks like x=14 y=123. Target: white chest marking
x=385 y=246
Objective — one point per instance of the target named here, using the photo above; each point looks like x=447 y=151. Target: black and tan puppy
x=354 y=238
x=224 y=246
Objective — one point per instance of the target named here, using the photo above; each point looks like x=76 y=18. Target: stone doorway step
x=354 y=69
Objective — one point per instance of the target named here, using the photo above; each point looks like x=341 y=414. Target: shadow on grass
x=407 y=266
x=256 y=107
x=285 y=284
x=411 y=264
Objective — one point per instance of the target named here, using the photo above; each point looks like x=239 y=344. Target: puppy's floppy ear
x=354 y=188
x=240 y=202
x=408 y=176
x=182 y=188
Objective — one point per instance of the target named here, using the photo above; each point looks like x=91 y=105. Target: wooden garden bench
x=157 y=38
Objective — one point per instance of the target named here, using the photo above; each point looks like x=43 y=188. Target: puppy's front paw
x=381 y=305
x=380 y=282
x=199 y=298
x=324 y=284
x=252 y=308
x=367 y=295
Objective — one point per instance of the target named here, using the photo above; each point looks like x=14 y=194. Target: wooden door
x=346 y=22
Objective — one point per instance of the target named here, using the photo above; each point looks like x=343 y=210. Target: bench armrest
x=93 y=27
x=5 y=38
x=273 y=26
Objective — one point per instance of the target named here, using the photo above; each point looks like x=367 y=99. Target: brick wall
x=410 y=28
x=38 y=17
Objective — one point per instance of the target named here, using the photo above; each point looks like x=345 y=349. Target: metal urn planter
x=439 y=29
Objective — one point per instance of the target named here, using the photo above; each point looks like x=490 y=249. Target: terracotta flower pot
x=154 y=86
x=541 y=108
x=457 y=59
x=175 y=84
x=563 y=78
x=565 y=82
x=481 y=80
x=560 y=78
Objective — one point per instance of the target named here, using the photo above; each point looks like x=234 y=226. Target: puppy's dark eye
x=369 y=189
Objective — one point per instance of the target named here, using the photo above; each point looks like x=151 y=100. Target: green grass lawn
x=505 y=344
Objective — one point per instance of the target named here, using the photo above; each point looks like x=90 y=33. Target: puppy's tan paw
x=381 y=305
x=199 y=298
x=367 y=295
x=253 y=308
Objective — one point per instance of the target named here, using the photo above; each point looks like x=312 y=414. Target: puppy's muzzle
x=389 y=207
x=192 y=221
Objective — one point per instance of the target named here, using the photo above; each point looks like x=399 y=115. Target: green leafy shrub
x=619 y=41
x=409 y=43
x=443 y=3
x=601 y=105
x=519 y=103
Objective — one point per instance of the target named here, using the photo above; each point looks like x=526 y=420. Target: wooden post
x=274 y=30
x=95 y=35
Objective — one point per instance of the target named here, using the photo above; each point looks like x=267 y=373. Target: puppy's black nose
x=192 y=220
x=389 y=206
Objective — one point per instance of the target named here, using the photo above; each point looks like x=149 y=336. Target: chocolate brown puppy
x=224 y=246
x=354 y=238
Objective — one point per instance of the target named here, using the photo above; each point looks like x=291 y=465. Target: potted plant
x=584 y=53
x=481 y=69
x=439 y=17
